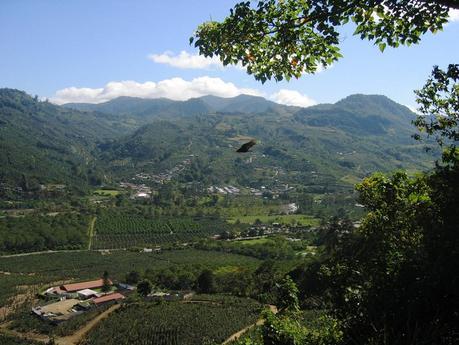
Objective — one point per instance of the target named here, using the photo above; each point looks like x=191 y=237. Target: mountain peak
x=375 y=105
x=242 y=103
x=362 y=99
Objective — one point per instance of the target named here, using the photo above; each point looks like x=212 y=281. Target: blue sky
x=99 y=49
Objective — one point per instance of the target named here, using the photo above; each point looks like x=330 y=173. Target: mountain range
x=327 y=146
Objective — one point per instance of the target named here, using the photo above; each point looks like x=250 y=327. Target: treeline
x=257 y=282
x=43 y=232
x=276 y=248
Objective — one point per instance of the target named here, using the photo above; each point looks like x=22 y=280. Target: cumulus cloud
x=186 y=60
x=453 y=15
x=175 y=88
x=292 y=97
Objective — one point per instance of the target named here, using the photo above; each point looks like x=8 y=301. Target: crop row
x=174 y=323
x=118 y=230
x=121 y=223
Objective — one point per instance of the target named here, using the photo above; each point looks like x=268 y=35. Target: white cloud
x=175 y=88
x=186 y=60
x=292 y=97
x=453 y=15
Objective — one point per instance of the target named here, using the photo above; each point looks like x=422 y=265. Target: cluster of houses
x=232 y=190
x=69 y=300
x=168 y=174
x=224 y=190
x=289 y=208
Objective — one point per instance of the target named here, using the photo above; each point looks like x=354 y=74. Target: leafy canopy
x=144 y=287
x=391 y=280
x=439 y=105
x=286 y=38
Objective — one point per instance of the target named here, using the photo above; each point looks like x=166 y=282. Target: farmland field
x=210 y=321
x=114 y=230
x=254 y=241
x=106 y=192
x=9 y=340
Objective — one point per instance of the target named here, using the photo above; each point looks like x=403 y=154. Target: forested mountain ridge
x=363 y=115
x=141 y=110
x=245 y=104
x=157 y=107
x=328 y=144
x=320 y=146
x=44 y=143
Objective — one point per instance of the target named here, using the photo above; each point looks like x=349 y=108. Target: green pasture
x=106 y=192
x=254 y=241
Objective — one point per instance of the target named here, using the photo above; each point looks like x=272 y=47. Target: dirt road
x=73 y=339
x=76 y=337
x=238 y=334
x=91 y=231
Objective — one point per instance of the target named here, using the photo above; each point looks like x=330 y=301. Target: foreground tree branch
x=277 y=39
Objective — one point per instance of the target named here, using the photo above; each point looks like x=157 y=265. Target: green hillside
x=41 y=143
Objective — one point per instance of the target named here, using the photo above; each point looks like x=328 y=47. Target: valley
x=270 y=172
x=154 y=193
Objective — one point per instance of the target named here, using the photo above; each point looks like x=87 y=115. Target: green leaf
x=382 y=46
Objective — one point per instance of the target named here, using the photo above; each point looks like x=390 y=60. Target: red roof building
x=94 y=284
x=107 y=298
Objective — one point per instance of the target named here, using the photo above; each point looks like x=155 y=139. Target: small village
x=167 y=175
x=139 y=191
